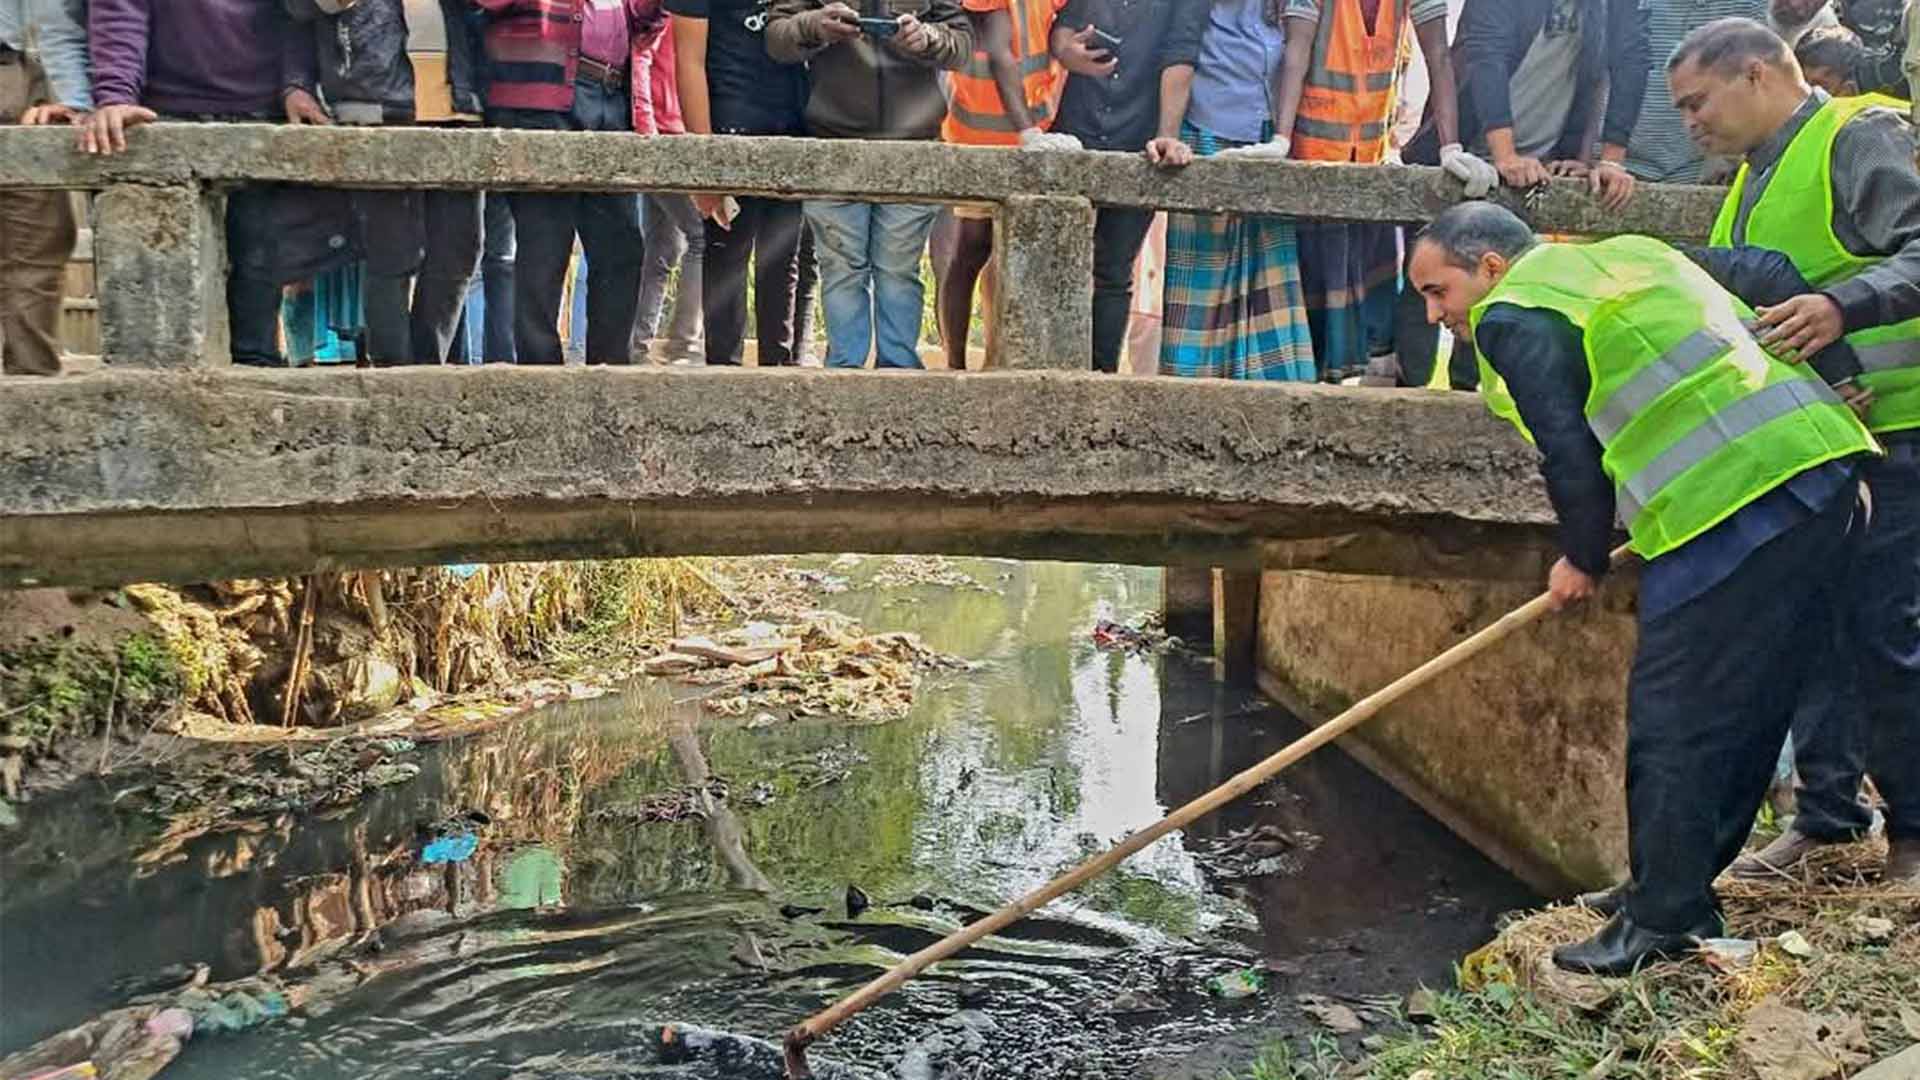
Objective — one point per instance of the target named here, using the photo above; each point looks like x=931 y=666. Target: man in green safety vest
x=1831 y=184
x=1735 y=475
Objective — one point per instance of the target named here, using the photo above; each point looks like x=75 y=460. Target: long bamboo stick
x=806 y=1033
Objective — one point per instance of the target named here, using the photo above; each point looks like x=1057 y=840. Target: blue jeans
x=870 y=278
x=486 y=330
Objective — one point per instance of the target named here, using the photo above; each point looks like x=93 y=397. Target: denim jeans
x=609 y=230
x=676 y=236
x=870 y=279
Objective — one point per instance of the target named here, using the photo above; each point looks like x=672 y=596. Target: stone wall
x=1521 y=752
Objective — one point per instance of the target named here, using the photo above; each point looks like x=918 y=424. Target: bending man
x=1734 y=472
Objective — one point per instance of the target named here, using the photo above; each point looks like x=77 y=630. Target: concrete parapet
x=124 y=475
x=493 y=159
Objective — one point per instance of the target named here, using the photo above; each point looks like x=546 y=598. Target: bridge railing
x=159 y=242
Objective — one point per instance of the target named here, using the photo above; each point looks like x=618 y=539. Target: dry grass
x=1518 y=1017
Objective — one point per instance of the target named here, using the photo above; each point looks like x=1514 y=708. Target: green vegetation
x=52 y=689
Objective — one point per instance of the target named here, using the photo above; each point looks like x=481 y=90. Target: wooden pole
x=805 y=1034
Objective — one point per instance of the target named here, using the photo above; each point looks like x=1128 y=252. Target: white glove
x=1035 y=139
x=1478 y=175
x=1278 y=148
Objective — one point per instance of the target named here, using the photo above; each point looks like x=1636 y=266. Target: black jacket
x=362 y=53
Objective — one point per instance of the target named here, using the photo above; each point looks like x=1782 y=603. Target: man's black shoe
x=1605 y=903
x=1622 y=947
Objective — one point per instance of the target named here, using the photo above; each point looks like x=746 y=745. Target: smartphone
x=1106 y=39
x=880 y=28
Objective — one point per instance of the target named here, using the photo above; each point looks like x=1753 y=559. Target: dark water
x=573 y=930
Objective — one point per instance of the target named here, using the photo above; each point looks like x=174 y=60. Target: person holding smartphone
x=1130 y=67
x=730 y=86
x=873 y=77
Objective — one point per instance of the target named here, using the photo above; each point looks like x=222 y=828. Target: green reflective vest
x=1794 y=216
x=1694 y=418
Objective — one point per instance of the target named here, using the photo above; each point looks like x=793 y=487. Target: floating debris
x=288 y=778
x=1238 y=984
x=1149 y=635
x=934 y=571
x=822 y=668
x=1260 y=851
x=1332 y=1015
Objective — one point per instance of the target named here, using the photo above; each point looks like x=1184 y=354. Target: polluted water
x=630 y=887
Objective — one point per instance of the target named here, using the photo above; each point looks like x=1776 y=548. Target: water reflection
x=570 y=922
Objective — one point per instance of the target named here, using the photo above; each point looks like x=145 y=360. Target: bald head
x=1735 y=83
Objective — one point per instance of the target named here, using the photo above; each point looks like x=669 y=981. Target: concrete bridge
x=170 y=464
x=1421 y=516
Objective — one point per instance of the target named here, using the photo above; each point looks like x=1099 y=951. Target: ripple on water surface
x=572 y=935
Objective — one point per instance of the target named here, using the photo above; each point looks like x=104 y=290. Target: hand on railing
x=1042 y=141
x=1278 y=148
x=1479 y=176
x=1169 y=153
x=305 y=109
x=50 y=115
x=105 y=130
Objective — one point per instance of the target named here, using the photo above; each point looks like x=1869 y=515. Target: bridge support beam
x=1236 y=626
x=1186 y=602
x=160 y=253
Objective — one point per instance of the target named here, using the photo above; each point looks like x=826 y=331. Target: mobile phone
x=880 y=28
x=1106 y=39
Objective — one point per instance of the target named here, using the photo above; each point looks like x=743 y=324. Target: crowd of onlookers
x=1493 y=91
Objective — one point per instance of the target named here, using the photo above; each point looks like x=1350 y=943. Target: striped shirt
x=1660 y=150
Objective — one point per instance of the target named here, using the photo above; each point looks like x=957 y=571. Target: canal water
x=585 y=916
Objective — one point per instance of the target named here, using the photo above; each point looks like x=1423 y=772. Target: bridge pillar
x=1236 y=626
x=1043 y=256
x=1186 y=602
x=160 y=253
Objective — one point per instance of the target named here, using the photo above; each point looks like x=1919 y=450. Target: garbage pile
x=823 y=667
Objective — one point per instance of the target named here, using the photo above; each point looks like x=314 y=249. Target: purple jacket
x=225 y=57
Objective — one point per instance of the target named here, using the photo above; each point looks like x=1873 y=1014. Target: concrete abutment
x=1522 y=752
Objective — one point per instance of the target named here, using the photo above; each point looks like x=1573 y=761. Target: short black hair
x=1724 y=46
x=1835 y=48
x=1470 y=230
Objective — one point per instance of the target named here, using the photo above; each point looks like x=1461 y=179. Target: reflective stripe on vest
x=1694 y=418
x=1783 y=218
x=1348 y=97
x=1742 y=418
x=976 y=115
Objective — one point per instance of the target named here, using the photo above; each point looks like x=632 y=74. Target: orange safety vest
x=1348 y=98
x=976 y=115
